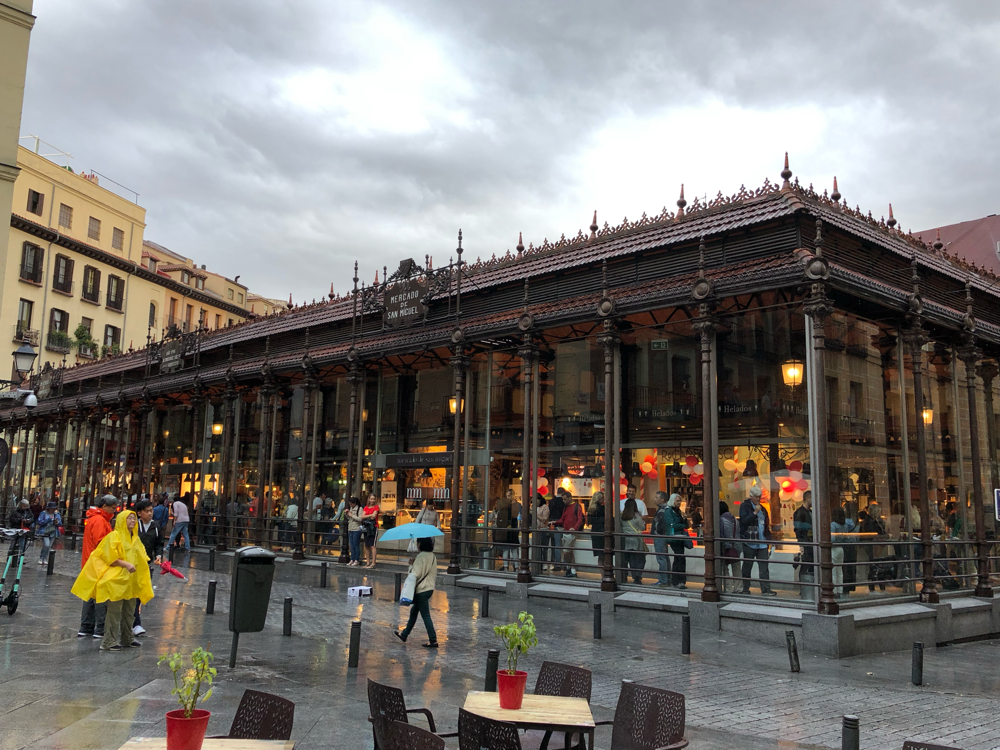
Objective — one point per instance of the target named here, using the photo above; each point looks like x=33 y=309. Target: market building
x=774 y=343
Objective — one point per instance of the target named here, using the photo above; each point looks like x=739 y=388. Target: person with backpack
x=730 y=549
x=47 y=528
x=660 y=542
x=677 y=530
x=572 y=523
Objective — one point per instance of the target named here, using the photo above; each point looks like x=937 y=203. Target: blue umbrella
x=411 y=531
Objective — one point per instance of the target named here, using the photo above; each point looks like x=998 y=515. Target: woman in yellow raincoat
x=117 y=573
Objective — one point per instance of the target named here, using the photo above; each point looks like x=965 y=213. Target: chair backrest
x=386 y=701
x=262 y=716
x=398 y=735
x=647 y=718
x=479 y=733
x=563 y=680
x=911 y=745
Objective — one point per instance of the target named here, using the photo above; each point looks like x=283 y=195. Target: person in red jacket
x=572 y=523
x=97 y=525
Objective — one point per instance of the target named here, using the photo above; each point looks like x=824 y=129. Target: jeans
x=678 y=572
x=837 y=557
x=118 y=630
x=136 y=620
x=354 y=537
x=730 y=570
x=557 y=553
x=597 y=542
x=636 y=562
x=662 y=560
x=46 y=546
x=180 y=529
x=422 y=606
x=544 y=542
x=93 y=617
x=760 y=555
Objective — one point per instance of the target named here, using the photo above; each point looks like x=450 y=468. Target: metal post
x=970 y=356
x=322 y=574
x=210 y=607
x=793 y=651
x=707 y=327
x=609 y=340
x=850 y=738
x=355 y=647
x=915 y=339
x=211 y=558
x=287 y=624
x=52 y=562
x=459 y=363
x=232 y=650
x=686 y=633
x=917 y=664
x=492 y=667
x=597 y=621
x=354 y=378
x=484 y=605
x=527 y=354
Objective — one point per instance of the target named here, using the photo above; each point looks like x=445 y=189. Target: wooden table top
x=547 y=711
x=160 y=743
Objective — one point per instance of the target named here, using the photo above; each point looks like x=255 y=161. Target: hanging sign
x=171 y=356
x=404 y=303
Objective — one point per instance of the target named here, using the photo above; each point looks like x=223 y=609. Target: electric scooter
x=15 y=555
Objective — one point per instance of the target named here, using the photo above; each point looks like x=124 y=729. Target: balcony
x=26 y=335
x=115 y=303
x=58 y=341
x=32 y=274
x=179 y=323
x=93 y=295
x=63 y=287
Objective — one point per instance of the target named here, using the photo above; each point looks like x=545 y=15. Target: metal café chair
x=911 y=745
x=564 y=681
x=647 y=718
x=479 y=733
x=388 y=702
x=401 y=735
x=262 y=716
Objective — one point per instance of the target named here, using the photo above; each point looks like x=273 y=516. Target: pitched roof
x=977 y=241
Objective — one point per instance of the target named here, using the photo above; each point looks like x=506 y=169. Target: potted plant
x=517 y=637
x=186 y=726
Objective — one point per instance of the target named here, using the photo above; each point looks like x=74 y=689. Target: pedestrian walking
x=424 y=570
x=755 y=528
x=660 y=531
x=633 y=527
x=181 y=521
x=679 y=541
x=117 y=573
x=161 y=513
x=729 y=533
x=151 y=536
x=595 y=517
x=369 y=525
x=96 y=526
x=47 y=529
x=572 y=524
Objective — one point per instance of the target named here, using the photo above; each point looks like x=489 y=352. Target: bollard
x=597 y=621
x=352 y=656
x=397 y=589
x=286 y=628
x=793 y=651
x=484 y=604
x=72 y=542
x=686 y=634
x=52 y=562
x=492 y=666
x=851 y=734
x=322 y=575
x=210 y=607
x=170 y=553
x=211 y=559
x=917 y=665
x=232 y=650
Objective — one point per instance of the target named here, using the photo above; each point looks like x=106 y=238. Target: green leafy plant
x=188 y=686
x=82 y=340
x=517 y=638
x=112 y=349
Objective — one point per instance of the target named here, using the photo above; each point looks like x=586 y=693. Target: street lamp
x=791 y=372
x=24 y=359
x=928 y=416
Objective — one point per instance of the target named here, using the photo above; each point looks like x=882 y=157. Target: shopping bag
x=409 y=590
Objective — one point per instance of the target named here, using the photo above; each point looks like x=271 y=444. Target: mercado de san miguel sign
x=404 y=303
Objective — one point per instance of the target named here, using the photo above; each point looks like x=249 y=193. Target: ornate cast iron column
x=197 y=427
x=608 y=340
x=706 y=328
x=227 y=492
x=145 y=407
x=73 y=477
x=988 y=370
x=915 y=339
x=96 y=417
x=266 y=392
x=459 y=364
x=308 y=386
x=24 y=457
x=354 y=378
x=59 y=458
x=527 y=352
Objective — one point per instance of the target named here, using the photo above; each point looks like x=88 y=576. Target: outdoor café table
x=545 y=712
x=160 y=743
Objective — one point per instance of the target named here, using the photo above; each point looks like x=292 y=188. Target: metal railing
x=58 y=341
x=27 y=335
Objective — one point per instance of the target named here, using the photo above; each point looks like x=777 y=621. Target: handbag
x=409 y=589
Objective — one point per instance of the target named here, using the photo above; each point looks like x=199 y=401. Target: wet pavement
x=59 y=691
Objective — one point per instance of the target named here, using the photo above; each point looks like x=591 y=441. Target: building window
x=94 y=229
x=88 y=325
x=35 y=202
x=239 y=298
x=117 y=238
x=230 y=321
x=199 y=283
x=151 y=265
x=91 y=284
x=116 y=292
x=31 y=263
x=57 y=339
x=188 y=315
x=23 y=331
x=62 y=276
x=58 y=320
x=185 y=277
x=65 y=216
x=112 y=338
x=218 y=321
x=230 y=294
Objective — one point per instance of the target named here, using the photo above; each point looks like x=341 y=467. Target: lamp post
x=24 y=359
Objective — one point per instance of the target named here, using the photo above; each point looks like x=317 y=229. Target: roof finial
x=681 y=203
x=786 y=174
x=892 y=219
x=593 y=226
x=520 y=244
x=376 y=277
x=332 y=294
x=459 y=249
x=835 y=195
x=289 y=299
x=938 y=244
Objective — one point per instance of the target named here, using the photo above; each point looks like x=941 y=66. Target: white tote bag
x=408 y=591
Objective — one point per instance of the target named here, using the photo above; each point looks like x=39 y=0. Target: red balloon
x=541 y=472
x=795 y=466
x=802 y=484
x=695 y=478
x=543 y=490
x=649 y=460
x=691 y=461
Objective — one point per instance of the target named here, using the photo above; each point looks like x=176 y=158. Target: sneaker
x=41 y=562
x=769 y=593
x=135 y=644
x=680 y=586
x=138 y=630
x=84 y=634
x=98 y=635
x=116 y=647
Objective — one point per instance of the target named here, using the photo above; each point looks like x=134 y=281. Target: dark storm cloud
x=280 y=141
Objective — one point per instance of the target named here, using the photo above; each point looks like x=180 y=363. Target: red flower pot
x=511 y=688
x=186 y=733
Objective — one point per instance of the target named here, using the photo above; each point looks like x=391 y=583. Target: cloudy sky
x=283 y=140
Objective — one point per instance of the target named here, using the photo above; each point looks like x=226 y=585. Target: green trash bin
x=253 y=572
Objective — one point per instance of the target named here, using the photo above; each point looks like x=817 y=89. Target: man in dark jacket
x=557 y=506
x=21 y=517
x=802 y=522
x=151 y=536
x=755 y=530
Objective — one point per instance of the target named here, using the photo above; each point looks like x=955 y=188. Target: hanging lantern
x=792 y=371
x=751 y=468
x=675 y=470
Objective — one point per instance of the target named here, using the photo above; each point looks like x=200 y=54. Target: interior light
x=791 y=372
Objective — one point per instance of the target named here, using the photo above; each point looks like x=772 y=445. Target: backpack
x=660 y=523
